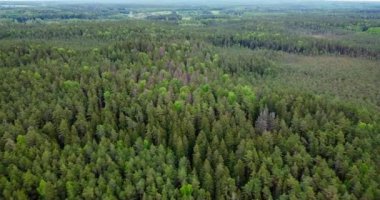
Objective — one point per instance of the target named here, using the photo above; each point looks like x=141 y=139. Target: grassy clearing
x=343 y=77
x=374 y=30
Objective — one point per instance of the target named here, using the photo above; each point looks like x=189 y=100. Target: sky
x=190 y=1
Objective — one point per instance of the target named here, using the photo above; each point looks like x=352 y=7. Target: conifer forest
x=190 y=101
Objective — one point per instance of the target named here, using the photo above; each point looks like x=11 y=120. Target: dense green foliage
x=140 y=109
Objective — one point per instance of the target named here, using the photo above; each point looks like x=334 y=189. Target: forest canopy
x=213 y=102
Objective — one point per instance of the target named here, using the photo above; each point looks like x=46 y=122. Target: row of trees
x=301 y=45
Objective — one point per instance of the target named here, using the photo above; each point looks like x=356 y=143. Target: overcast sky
x=190 y=1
